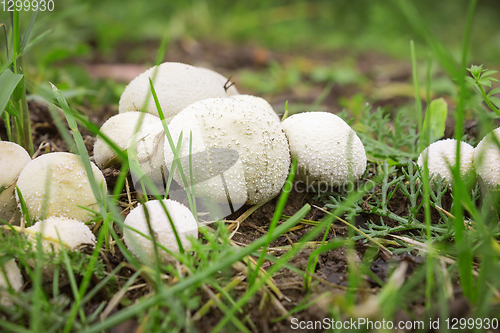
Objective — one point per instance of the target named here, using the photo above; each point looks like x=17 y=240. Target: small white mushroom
x=13 y=158
x=231 y=91
x=328 y=151
x=258 y=101
x=142 y=247
x=177 y=86
x=240 y=152
x=441 y=159
x=72 y=233
x=119 y=128
x=12 y=278
x=55 y=184
x=487 y=159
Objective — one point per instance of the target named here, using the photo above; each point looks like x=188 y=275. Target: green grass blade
x=27 y=33
x=462 y=242
x=442 y=53
x=8 y=83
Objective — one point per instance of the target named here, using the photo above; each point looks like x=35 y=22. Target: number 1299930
x=27 y=5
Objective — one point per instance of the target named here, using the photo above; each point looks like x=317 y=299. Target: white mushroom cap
x=147 y=150
x=11 y=277
x=327 y=149
x=231 y=91
x=55 y=184
x=258 y=101
x=13 y=158
x=73 y=234
x=487 y=159
x=244 y=144
x=143 y=248
x=119 y=129
x=177 y=86
x=442 y=154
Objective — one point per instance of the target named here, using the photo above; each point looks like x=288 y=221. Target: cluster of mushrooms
x=232 y=150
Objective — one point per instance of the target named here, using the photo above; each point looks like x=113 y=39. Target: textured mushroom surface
x=55 y=184
x=177 y=86
x=12 y=277
x=120 y=128
x=442 y=157
x=240 y=152
x=487 y=159
x=72 y=233
x=258 y=101
x=328 y=151
x=142 y=247
x=225 y=82
x=13 y=158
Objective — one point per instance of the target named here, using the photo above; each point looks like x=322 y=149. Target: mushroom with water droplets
x=177 y=85
x=142 y=247
x=441 y=158
x=328 y=151
x=56 y=184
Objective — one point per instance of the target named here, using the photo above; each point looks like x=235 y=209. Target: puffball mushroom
x=72 y=233
x=258 y=101
x=441 y=158
x=327 y=149
x=119 y=128
x=231 y=91
x=55 y=184
x=12 y=278
x=240 y=152
x=13 y=158
x=177 y=86
x=487 y=159
x=142 y=247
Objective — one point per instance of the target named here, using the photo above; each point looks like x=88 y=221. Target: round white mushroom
x=240 y=152
x=231 y=91
x=12 y=278
x=119 y=128
x=177 y=86
x=55 y=184
x=13 y=158
x=328 y=151
x=487 y=159
x=142 y=247
x=442 y=156
x=73 y=234
x=258 y=101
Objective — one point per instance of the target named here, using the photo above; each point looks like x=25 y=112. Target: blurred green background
x=340 y=31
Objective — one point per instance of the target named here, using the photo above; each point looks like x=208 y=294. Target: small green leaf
x=488 y=73
x=8 y=82
x=470 y=79
x=12 y=110
x=494 y=91
x=435 y=119
x=485 y=82
x=496 y=101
